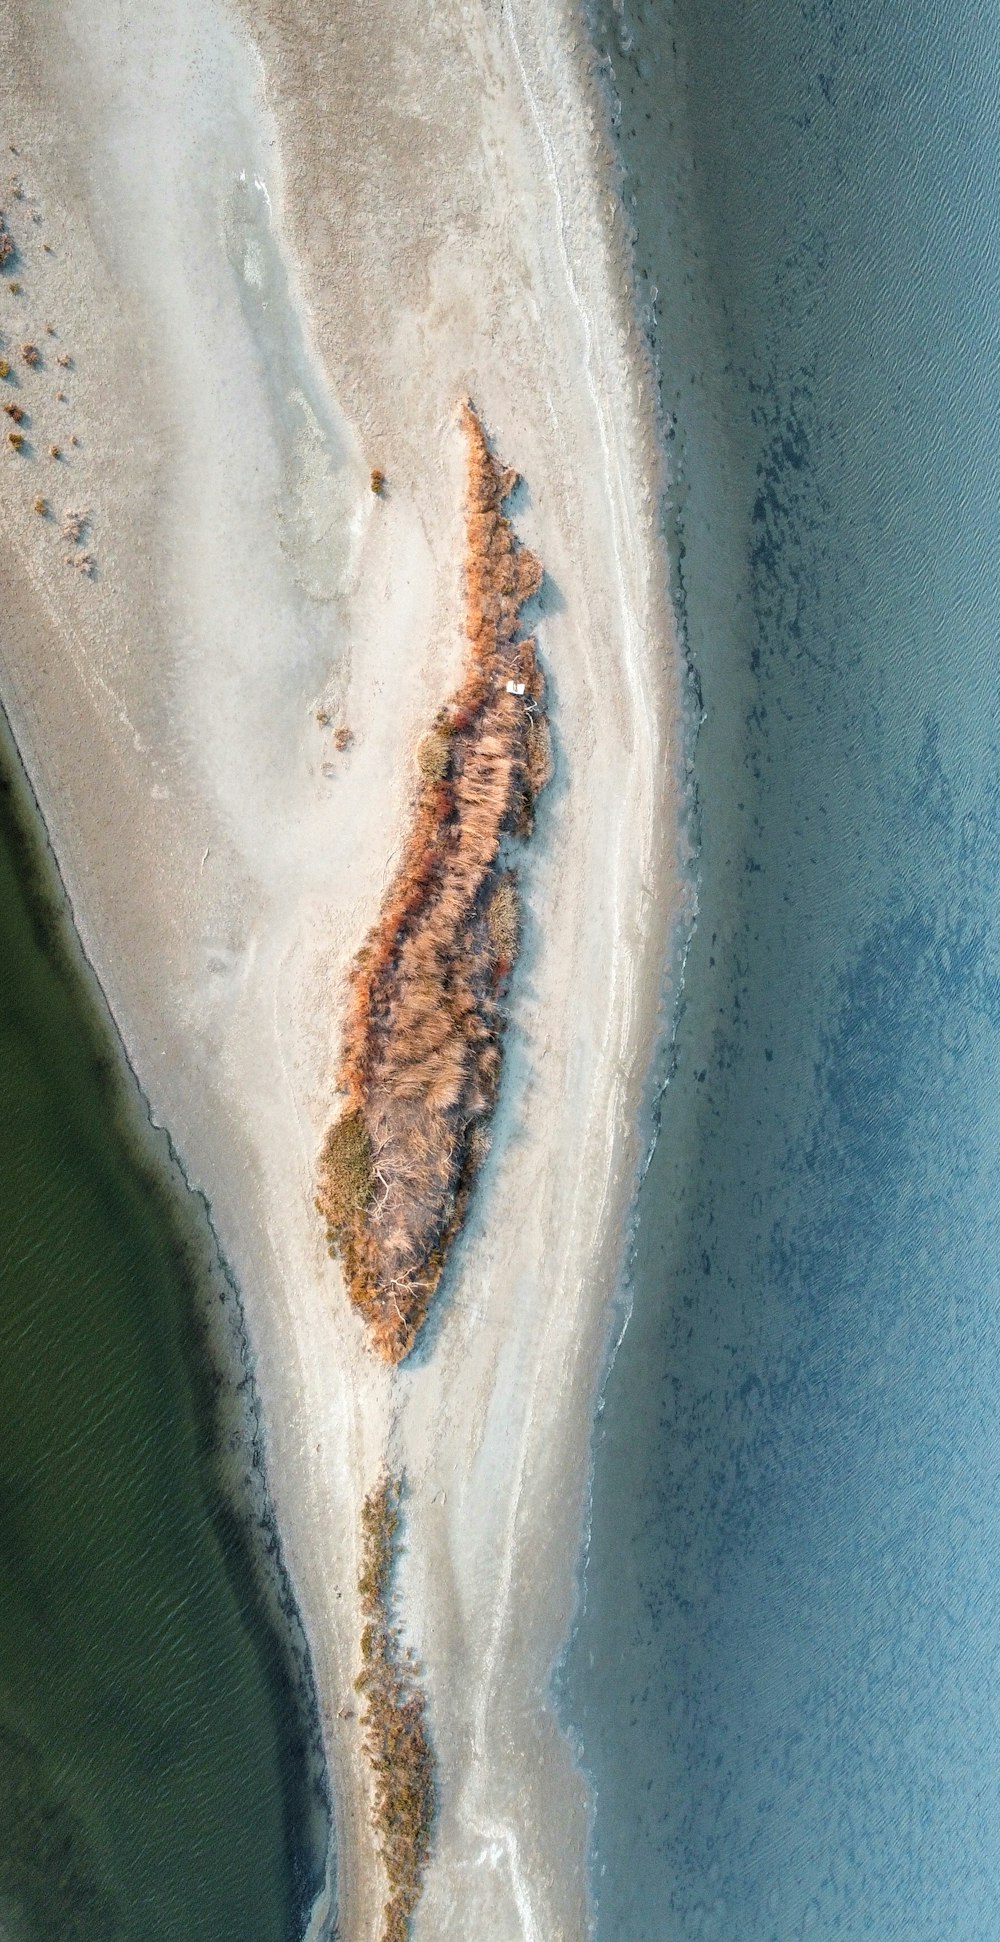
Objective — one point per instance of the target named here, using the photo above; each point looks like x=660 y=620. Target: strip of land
x=395 y=1731
x=282 y=240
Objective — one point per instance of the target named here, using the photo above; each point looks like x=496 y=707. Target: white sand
x=276 y=262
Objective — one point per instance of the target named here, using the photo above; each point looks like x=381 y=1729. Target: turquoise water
x=785 y=1678
x=158 y=1768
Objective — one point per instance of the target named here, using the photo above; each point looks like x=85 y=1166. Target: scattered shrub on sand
x=425 y=1021
x=395 y=1732
x=8 y=248
x=31 y=353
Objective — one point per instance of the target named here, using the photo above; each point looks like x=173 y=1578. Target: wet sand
x=283 y=243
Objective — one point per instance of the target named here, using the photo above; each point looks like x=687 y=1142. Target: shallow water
x=158 y=1772
x=784 y=1678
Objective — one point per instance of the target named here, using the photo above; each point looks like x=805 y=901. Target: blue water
x=786 y=1675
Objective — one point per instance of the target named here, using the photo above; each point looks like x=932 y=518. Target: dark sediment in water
x=161 y=1771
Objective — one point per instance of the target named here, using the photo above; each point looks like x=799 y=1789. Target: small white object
x=515 y=687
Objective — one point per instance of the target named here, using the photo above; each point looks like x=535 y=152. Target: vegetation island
x=422 y=1043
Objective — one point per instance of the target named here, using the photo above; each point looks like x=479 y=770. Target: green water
x=157 y=1775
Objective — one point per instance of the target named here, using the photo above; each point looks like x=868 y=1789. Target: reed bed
x=426 y=1010
x=395 y=1733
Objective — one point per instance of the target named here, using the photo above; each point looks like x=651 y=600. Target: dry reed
x=426 y=1014
x=395 y=1733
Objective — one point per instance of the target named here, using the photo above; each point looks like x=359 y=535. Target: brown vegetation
x=377 y=480
x=31 y=353
x=7 y=244
x=421 y=1060
x=395 y=1733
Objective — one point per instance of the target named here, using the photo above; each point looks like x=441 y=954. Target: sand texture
x=283 y=242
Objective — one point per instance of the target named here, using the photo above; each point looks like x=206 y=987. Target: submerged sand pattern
x=421 y=1058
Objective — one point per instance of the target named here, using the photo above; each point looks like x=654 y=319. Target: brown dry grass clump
x=421 y=1059
x=395 y=1733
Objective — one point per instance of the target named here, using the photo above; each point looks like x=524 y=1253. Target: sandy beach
x=283 y=241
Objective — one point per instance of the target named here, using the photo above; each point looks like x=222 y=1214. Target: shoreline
x=223 y=969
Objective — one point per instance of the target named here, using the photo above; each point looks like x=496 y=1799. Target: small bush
x=434 y=755
x=347 y=1176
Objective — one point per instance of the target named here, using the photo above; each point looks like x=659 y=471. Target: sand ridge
x=285 y=240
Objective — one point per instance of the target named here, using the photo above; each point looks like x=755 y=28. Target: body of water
x=159 y=1775
x=786 y=1675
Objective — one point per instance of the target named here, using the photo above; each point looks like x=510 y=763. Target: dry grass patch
x=426 y=1014
x=434 y=755
x=503 y=917
x=347 y=1177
